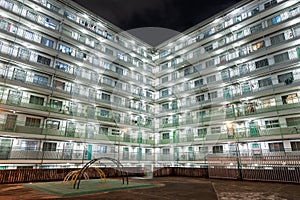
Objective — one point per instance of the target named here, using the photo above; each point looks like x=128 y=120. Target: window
x=41 y=80
x=209 y=63
x=61 y=66
x=270 y=4
x=59 y=85
x=277 y=39
x=261 y=63
x=217 y=149
x=293 y=121
x=52 y=7
x=212 y=95
x=165 y=136
x=202 y=132
x=104 y=113
x=56 y=104
x=187 y=71
x=211 y=79
x=32 y=122
x=295 y=146
x=201 y=114
x=198 y=82
x=287 y=78
x=165 y=106
x=65 y=49
x=276 y=19
x=253 y=11
x=49 y=146
x=103 y=130
x=119 y=71
x=148 y=94
x=275 y=147
x=164 y=79
x=118 y=100
x=243 y=69
x=166 y=151
x=36 y=100
x=255 y=29
x=265 y=82
x=105 y=97
x=281 y=57
x=29 y=145
x=215 y=130
x=52 y=124
x=272 y=124
x=200 y=98
x=101 y=149
x=290 y=99
x=47 y=42
x=225 y=74
x=164 y=92
x=203 y=149
x=208 y=48
x=43 y=60
x=266 y=103
x=19 y=74
x=258 y=45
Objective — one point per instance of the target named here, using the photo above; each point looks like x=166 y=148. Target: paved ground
x=175 y=188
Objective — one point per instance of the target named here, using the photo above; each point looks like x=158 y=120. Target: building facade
x=74 y=87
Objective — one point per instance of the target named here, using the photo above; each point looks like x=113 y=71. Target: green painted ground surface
x=86 y=187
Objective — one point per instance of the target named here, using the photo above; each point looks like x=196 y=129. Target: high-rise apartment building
x=74 y=87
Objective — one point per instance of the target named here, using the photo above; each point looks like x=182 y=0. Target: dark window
x=293 y=121
x=208 y=48
x=257 y=28
x=202 y=132
x=105 y=97
x=274 y=147
x=270 y=4
x=261 y=63
x=36 y=100
x=281 y=57
x=165 y=136
x=265 y=82
x=286 y=78
x=277 y=39
x=295 y=146
x=209 y=63
x=49 y=146
x=217 y=149
x=43 y=60
x=119 y=70
x=32 y=122
x=272 y=124
x=200 y=98
x=198 y=83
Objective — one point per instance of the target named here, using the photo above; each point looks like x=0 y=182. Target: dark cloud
x=177 y=15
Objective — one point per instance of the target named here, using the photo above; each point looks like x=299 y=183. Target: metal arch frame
x=87 y=165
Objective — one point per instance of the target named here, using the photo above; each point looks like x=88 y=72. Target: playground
x=91 y=186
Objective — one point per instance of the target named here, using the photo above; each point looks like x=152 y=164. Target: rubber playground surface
x=86 y=187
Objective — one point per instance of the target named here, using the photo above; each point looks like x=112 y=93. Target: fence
x=35 y=175
x=281 y=167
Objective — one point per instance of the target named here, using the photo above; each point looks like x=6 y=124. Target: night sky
x=168 y=16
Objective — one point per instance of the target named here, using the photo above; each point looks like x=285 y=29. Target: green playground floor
x=86 y=187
